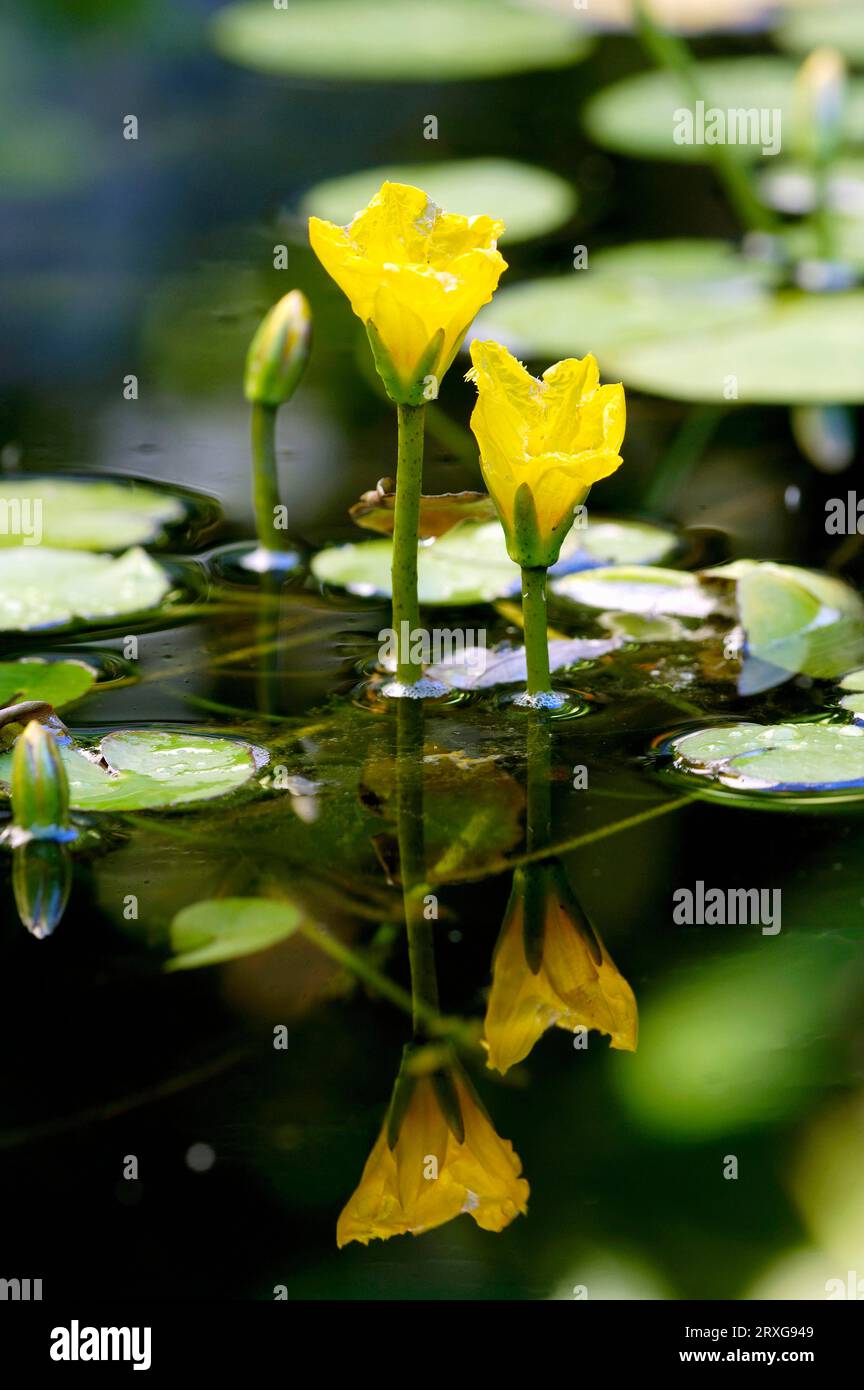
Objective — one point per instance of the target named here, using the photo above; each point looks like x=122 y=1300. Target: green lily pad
x=43 y=588
x=646 y=590
x=394 y=40
x=470 y=564
x=529 y=201
x=636 y=116
x=71 y=514
x=221 y=929
x=828 y=26
x=775 y=757
x=660 y=292
x=769 y=362
x=56 y=682
x=854 y=681
x=141 y=770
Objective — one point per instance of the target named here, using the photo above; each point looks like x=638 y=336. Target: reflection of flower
x=416 y=276
x=437 y=1155
x=542 y=444
x=551 y=968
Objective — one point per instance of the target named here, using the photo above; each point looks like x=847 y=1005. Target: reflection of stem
x=265 y=478
x=536 y=644
x=538 y=822
x=409 y=478
x=412 y=858
x=670 y=51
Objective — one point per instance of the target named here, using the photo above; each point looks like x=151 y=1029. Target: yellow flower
x=551 y=969
x=542 y=444
x=438 y=1155
x=416 y=276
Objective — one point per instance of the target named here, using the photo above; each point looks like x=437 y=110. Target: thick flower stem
x=409 y=476
x=412 y=860
x=265 y=478
x=536 y=640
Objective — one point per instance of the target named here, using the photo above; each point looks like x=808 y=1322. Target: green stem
x=412 y=860
x=670 y=51
x=265 y=478
x=536 y=638
x=409 y=478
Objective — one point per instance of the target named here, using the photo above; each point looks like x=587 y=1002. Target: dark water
x=159 y=263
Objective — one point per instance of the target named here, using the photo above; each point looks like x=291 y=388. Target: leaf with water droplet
x=769 y=758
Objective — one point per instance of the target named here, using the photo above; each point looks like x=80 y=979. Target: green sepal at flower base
x=443 y=1085
x=279 y=351
x=40 y=787
x=422 y=384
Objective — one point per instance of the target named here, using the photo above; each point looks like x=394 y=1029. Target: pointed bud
x=40 y=787
x=41 y=880
x=279 y=351
x=820 y=98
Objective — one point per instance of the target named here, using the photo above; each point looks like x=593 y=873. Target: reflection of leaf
x=146 y=770
x=399 y=40
x=471 y=565
x=56 y=682
x=208 y=933
x=775 y=757
x=479 y=669
x=92 y=515
x=376 y=511
x=529 y=201
x=42 y=588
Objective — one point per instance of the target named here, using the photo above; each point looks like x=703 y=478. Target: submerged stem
x=412 y=860
x=409 y=478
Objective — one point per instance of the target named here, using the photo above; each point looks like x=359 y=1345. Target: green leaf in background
x=529 y=201
x=221 y=929
x=77 y=515
x=657 y=291
x=645 y=590
x=470 y=564
x=57 y=682
x=775 y=757
x=682 y=16
x=146 y=770
x=394 y=40
x=636 y=116
x=828 y=26
x=42 y=588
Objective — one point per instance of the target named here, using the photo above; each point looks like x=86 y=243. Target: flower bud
x=820 y=96
x=40 y=787
x=279 y=351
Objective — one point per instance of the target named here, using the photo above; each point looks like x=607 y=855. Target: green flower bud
x=40 y=787
x=41 y=880
x=279 y=351
x=820 y=98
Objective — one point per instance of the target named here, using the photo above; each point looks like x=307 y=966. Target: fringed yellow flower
x=551 y=969
x=542 y=444
x=438 y=1155
x=416 y=276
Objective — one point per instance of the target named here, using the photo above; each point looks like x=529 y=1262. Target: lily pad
x=657 y=291
x=479 y=669
x=529 y=201
x=208 y=933
x=471 y=565
x=682 y=16
x=829 y=26
x=43 y=588
x=647 y=590
x=139 y=770
x=776 y=757
x=636 y=116
x=58 y=683
x=376 y=511
x=71 y=514
x=394 y=40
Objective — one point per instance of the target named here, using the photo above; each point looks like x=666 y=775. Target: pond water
x=250 y=1086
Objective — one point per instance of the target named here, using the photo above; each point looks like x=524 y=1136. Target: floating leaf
x=471 y=565
x=646 y=590
x=56 y=682
x=221 y=929
x=376 y=511
x=479 y=669
x=139 y=770
x=636 y=116
x=682 y=16
x=829 y=26
x=529 y=201
x=653 y=291
x=42 y=588
x=775 y=757
x=77 y=515
x=394 y=40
